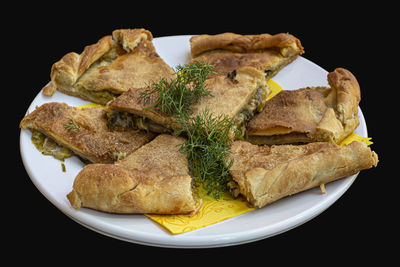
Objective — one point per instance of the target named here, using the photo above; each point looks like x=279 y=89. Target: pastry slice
x=230 y=51
x=309 y=114
x=112 y=66
x=83 y=131
x=238 y=96
x=153 y=179
x=264 y=174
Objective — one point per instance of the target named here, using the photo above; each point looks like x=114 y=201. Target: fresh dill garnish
x=208 y=137
x=72 y=126
x=63 y=167
x=177 y=95
x=207 y=148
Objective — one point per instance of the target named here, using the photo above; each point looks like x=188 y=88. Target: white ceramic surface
x=283 y=215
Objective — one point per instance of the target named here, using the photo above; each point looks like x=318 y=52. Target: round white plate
x=283 y=215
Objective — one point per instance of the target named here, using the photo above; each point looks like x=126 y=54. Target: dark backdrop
x=359 y=38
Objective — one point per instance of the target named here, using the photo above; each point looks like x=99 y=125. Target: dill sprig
x=177 y=95
x=72 y=126
x=207 y=148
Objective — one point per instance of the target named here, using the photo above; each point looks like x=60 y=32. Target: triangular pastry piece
x=112 y=66
x=153 y=179
x=310 y=114
x=230 y=51
x=264 y=174
x=238 y=96
x=84 y=131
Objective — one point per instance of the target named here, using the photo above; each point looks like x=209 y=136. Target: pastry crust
x=265 y=174
x=153 y=179
x=230 y=51
x=113 y=65
x=230 y=96
x=94 y=141
x=309 y=114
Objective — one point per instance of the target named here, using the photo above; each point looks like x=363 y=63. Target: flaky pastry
x=264 y=174
x=310 y=114
x=153 y=179
x=230 y=51
x=91 y=139
x=112 y=66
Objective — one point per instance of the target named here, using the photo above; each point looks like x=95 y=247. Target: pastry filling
x=256 y=104
x=99 y=96
x=123 y=120
x=270 y=72
x=290 y=138
x=47 y=146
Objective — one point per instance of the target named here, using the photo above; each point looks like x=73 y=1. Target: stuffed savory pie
x=84 y=131
x=110 y=67
x=153 y=179
x=230 y=51
x=264 y=174
x=310 y=114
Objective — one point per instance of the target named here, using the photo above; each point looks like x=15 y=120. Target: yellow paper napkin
x=355 y=137
x=91 y=105
x=210 y=212
x=275 y=88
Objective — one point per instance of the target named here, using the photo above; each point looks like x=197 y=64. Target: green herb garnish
x=63 y=167
x=72 y=126
x=207 y=148
x=177 y=95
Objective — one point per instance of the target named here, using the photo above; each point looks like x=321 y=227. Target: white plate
x=283 y=215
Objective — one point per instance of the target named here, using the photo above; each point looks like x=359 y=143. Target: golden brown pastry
x=153 y=179
x=112 y=66
x=309 y=114
x=230 y=51
x=84 y=131
x=237 y=96
x=265 y=174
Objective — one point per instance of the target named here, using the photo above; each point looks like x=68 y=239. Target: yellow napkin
x=355 y=137
x=275 y=88
x=210 y=212
x=91 y=105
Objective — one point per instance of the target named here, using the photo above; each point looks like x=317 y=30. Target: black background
x=361 y=38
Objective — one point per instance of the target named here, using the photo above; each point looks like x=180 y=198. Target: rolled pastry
x=265 y=174
x=231 y=51
x=153 y=179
